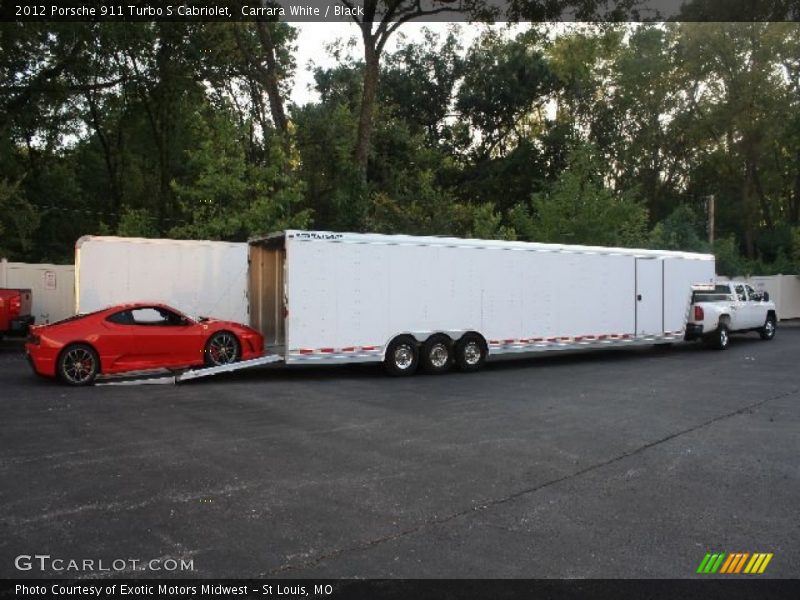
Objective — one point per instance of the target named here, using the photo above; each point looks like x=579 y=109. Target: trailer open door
x=266 y=289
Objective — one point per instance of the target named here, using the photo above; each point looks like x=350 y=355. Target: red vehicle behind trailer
x=15 y=312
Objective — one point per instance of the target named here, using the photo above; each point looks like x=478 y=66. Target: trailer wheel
x=222 y=348
x=78 y=364
x=437 y=354
x=402 y=356
x=470 y=352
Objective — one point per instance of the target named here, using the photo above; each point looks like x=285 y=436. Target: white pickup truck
x=721 y=309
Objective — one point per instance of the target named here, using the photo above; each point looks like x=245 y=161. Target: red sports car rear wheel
x=78 y=364
x=222 y=349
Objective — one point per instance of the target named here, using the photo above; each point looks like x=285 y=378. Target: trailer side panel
x=355 y=293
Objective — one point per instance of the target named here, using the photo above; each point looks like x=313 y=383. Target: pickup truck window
x=740 y=293
x=709 y=297
x=720 y=293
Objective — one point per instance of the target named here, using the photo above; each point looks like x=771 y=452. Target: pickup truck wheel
x=437 y=354
x=768 y=331
x=719 y=339
x=78 y=364
x=402 y=356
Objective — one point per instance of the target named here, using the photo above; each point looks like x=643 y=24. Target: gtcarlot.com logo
x=734 y=563
x=48 y=563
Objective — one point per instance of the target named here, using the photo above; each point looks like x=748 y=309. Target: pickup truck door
x=739 y=308
x=756 y=315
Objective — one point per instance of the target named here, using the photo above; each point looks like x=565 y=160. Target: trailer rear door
x=266 y=293
x=649 y=296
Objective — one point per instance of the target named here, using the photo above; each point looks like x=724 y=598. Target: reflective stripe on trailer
x=328 y=352
x=580 y=341
x=515 y=344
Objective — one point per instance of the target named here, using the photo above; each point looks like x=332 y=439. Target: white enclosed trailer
x=201 y=278
x=324 y=297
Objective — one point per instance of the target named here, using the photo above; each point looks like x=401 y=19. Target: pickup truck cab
x=15 y=312
x=725 y=308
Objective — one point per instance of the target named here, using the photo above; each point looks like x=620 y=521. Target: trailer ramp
x=237 y=366
x=162 y=377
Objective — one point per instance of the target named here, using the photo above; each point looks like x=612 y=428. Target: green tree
x=681 y=230
x=580 y=209
x=224 y=196
x=740 y=106
x=137 y=222
x=18 y=221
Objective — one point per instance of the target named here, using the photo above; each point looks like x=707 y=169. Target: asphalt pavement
x=630 y=463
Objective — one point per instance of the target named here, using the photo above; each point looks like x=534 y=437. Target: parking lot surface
x=630 y=463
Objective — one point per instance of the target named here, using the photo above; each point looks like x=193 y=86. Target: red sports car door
x=171 y=340
x=121 y=345
x=151 y=338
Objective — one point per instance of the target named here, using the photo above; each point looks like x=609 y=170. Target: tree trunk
x=271 y=78
x=794 y=211
x=368 y=96
x=766 y=213
x=111 y=164
x=748 y=210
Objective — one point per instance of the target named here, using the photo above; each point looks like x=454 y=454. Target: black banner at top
x=403 y=589
x=336 y=11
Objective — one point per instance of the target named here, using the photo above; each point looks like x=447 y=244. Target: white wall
x=784 y=291
x=52 y=287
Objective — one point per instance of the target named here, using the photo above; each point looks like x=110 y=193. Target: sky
x=313 y=37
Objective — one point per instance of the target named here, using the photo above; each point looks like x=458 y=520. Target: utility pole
x=710 y=210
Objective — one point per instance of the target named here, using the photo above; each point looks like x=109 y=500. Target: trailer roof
x=133 y=240
x=413 y=240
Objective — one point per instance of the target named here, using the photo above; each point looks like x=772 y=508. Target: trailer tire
x=437 y=354
x=471 y=352
x=402 y=356
x=222 y=348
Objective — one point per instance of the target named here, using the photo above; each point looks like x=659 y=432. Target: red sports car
x=136 y=337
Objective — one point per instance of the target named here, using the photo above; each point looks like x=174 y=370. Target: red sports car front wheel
x=222 y=349
x=78 y=364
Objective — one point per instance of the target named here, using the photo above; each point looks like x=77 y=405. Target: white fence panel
x=52 y=287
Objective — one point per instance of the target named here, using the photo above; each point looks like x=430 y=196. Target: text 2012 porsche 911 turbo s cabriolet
x=136 y=337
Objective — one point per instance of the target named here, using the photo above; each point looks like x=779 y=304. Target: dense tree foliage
x=592 y=134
